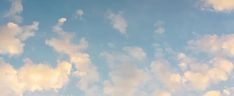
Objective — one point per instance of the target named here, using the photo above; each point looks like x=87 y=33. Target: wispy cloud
x=15 y=11
x=86 y=71
x=159 y=27
x=118 y=22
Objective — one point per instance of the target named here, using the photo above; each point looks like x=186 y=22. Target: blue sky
x=116 y=48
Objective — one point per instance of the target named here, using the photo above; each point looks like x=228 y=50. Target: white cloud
x=15 y=10
x=159 y=27
x=219 y=5
x=86 y=71
x=41 y=77
x=32 y=77
x=118 y=22
x=12 y=37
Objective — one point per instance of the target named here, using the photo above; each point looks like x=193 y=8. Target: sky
x=116 y=48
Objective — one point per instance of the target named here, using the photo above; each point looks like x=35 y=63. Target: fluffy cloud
x=15 y=10
x=86 y=71
x=214 y=44
x=161 y=70
x=219 y=70
x=32 y=77
x=200 y=74
x=194 y=73
x=42 y=77
x=219 y=5
x=12 y=37
x=118 y=22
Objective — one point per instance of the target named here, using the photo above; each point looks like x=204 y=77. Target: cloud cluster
x=126 y=75
x=32 y=77
x=214 y=44
x=219 y=70
x=13 y=35
x=191 y=75
x=86 y=71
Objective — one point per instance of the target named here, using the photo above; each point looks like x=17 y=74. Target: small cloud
x=62 y=20
x=159 y=27
x=79 y=14
x=118 y=22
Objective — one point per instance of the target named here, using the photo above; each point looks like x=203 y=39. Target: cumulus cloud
x=214 y=44
x=216 y=68
x=15 y=11
x=170 y=79
x=32 y=77
x=219 y=5
x=214 y=72
x=118 y=22
x=86 y=71
x=195 y=73
x=159 y=27
x=12 y=37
